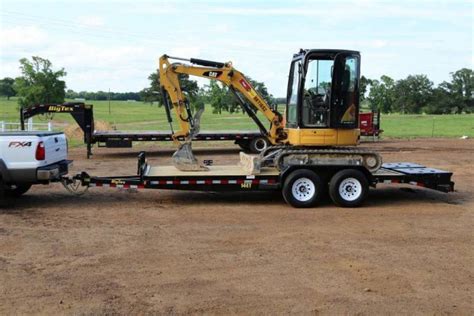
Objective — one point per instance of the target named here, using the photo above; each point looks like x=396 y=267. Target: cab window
x=292 y=98
x=317 y=92
x=348 y=106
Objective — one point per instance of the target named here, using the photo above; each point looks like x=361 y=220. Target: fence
x=29 y=126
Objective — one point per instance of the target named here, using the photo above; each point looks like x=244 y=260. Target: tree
x=220 y=98
x=461 y=90
x=441 y=101
x=263 y=91
x=153 y=92
x=364 y=83
x=6 y=87
x=39 y=83
x=381 y=95
x=413 y=93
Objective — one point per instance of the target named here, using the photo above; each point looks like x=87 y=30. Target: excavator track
x=283 y=157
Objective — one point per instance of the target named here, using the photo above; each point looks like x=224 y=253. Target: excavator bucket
x=183 y=158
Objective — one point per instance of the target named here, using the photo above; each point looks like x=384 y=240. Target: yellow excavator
x=320 y=125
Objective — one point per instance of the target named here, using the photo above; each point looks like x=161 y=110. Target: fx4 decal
x=19 y=144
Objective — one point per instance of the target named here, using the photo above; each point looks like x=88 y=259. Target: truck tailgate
x=55 y=147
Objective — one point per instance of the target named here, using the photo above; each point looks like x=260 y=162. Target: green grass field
x=141 y=116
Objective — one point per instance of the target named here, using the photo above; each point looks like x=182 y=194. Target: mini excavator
x=321 y=121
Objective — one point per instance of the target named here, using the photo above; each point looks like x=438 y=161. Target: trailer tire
x=348 y=188
x=244 y=145
x=303 y=188
x=16 y=190
x=258 y=144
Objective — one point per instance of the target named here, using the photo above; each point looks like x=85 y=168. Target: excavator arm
x=222 y=72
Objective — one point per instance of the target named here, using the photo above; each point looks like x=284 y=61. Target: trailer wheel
x=16 y=190
x=348 y=188
x=302 y=188
x=244 y=145
x=258 y=144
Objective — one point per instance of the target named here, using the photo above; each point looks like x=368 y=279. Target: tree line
x=38 y=83
x=417 y=94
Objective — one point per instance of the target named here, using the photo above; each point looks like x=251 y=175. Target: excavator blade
x=184 y=160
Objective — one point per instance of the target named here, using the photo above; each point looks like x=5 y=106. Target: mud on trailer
x=301 y=186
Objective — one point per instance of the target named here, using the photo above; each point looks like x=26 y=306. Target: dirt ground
x=408 y=250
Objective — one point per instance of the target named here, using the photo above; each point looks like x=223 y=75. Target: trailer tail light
x=40 y=151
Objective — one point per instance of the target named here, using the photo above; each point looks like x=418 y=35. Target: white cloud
x=21 y=36
x=91 y=20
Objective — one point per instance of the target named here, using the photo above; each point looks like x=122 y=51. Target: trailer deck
x=233 y=177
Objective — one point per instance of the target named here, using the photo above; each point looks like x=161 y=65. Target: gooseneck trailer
x=301 y=186
x=252 y=141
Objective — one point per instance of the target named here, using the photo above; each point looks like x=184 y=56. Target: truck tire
x=348 y=188
x=258 y=144
x=303 y=188
x=2 y=193
x=16 y=190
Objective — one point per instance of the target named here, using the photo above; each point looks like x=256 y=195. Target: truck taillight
x=40 y=151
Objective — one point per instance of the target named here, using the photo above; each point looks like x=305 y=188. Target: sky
x=116 y=44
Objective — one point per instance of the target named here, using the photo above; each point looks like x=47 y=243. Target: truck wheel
x=16 y=190
x=258 y=144
x=348 y=188
x=302 y=188
x=2 y=193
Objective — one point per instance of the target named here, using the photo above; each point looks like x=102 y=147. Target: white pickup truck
x=28 y=158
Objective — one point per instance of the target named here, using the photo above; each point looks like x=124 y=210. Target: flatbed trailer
x=121 y=139
x=252 y=141
x=302 y=186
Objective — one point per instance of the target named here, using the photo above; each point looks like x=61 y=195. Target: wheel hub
x=350 y=189
x=303 y=189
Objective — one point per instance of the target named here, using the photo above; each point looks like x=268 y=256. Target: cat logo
x=212 y=74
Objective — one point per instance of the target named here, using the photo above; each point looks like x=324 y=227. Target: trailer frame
x=390 y=173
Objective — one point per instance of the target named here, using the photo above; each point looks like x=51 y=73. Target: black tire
x=258 y=144
x=303 y=188
x=348 y=188
x=16 y=190
x=2 y=193
x=244 y=145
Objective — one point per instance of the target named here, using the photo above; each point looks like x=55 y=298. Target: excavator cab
x=323 y=98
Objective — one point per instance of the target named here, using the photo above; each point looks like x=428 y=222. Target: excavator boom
x=227 y=75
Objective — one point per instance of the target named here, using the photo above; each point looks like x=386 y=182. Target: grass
x=141 y=116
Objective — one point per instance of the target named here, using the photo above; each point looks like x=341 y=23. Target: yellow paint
x=323 y=137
